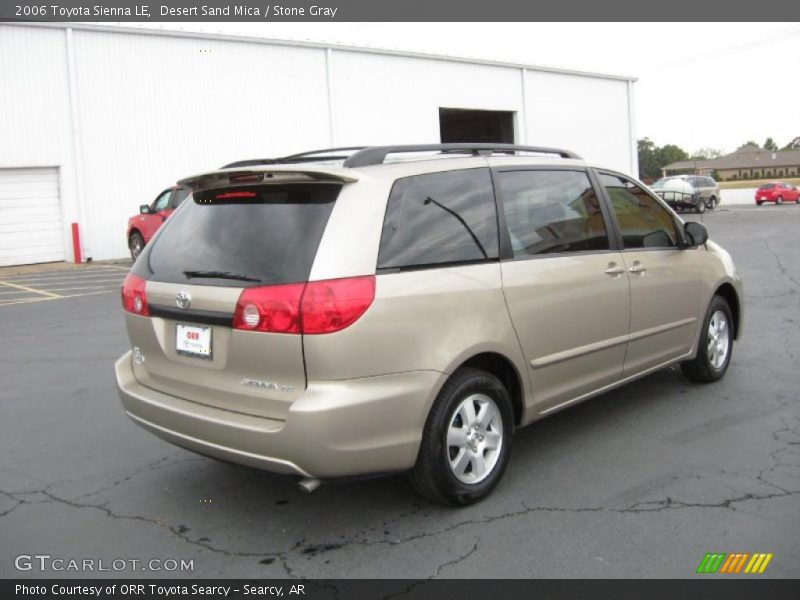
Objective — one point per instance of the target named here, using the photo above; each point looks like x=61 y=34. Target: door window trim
x=168 y=204
x=676 y=220
x=506 y=251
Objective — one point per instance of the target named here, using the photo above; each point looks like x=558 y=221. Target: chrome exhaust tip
x=309 y=484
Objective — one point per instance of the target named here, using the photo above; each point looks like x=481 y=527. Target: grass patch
x=754 y=183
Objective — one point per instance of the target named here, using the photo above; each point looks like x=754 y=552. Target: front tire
x=136 y=245
x=715 y=345
x=466 y=442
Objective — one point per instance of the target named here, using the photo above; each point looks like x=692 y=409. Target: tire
x=759 y=203
x=449 y=472
x=714 y=203
x=136 y=244
x=700 y=207
x=708 y=365
x=779 y=200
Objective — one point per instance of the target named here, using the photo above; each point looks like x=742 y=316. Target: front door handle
x=637 y=267
x=614 y=270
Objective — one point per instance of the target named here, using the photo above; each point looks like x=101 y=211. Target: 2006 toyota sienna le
x=383 y=309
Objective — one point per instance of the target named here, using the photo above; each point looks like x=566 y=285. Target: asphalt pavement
x=640 y=482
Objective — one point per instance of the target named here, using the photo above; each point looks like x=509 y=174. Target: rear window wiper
x=220 y=275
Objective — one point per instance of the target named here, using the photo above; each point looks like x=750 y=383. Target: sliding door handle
x=637 y=267
x=614 y=270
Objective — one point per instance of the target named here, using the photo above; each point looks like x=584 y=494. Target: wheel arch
x=731 y=296
x=503 y=368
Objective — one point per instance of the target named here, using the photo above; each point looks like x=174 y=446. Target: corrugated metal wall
x=589 y=116
x=149 y=109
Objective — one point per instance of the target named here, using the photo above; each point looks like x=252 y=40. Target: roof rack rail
x=376 y=155
x=300 y=157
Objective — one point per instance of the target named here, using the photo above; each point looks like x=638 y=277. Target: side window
x=179 y=196
x=162 y=202
x=439 y=218
x=644 y=223
x=551 y=211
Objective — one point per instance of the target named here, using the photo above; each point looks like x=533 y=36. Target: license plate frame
x=194 y=341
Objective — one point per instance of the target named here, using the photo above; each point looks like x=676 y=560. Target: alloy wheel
x=474 y=438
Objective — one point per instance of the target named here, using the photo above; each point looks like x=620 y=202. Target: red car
x=777 y=192
x=143 y=226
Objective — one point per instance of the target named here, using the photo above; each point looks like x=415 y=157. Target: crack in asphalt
x=782 y=266
x=153 y=466
x=438 y=572
x=787 y=439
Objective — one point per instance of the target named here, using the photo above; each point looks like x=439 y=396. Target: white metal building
x=96 y=120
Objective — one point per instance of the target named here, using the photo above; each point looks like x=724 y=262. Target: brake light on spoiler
x=315 y=307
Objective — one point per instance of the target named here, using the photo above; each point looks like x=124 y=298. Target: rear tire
x=700 y=207
x=713 y=203
x=715 y=345
x=136 y=245
x=779 y=201
x=759 y=203
x=466 y=442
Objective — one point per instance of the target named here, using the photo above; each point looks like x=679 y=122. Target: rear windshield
x=767 y=186
x=259 y=235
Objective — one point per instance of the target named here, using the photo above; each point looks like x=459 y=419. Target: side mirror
x=144 y=209
x=696 y=233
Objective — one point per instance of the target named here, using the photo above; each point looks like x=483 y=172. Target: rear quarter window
x=440 y=218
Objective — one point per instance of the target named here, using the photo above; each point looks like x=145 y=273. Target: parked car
x=689 y=192
x=777 y=192
x=143 y=226
x=383 y=315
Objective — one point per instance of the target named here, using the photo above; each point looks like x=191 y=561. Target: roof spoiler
x=217 y=179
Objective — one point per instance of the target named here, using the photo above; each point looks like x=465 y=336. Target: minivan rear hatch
x=221 y=241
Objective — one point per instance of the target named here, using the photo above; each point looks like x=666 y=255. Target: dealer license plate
x=191 y=340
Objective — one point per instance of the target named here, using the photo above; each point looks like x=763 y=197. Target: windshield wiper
x=220 y=275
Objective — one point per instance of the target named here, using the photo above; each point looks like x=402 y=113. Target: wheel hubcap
x=474 y=438
x=718 y=339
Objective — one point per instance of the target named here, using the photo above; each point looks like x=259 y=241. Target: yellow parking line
x=26 y=300
x=53 y=297
x=29 y=289
x=92 y=293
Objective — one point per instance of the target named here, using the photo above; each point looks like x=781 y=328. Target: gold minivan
x=405 y=308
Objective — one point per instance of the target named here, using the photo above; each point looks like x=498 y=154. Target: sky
x=699 y=85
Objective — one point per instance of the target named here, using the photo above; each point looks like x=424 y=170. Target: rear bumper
x=336 y=429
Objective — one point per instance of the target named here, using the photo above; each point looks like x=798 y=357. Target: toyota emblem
x=183 y=299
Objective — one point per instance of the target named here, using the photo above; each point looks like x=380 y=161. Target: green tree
x=671 y=153
x=648 y=159
x=652 y=158
x=793 y=145
x=751 y=143
x=707 y=154
x=770 y=145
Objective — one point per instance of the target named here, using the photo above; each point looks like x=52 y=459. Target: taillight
x=274 y=308
x=134 y=299
x=312 y=308
x=334 y=304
